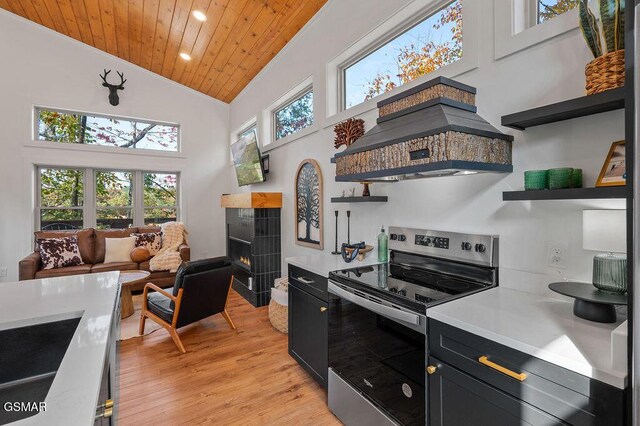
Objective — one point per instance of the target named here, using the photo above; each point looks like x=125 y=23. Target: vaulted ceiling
x=238 y=38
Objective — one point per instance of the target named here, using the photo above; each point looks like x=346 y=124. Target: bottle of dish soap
x=383 y=241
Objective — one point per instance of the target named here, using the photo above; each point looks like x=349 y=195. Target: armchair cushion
x=160 y=305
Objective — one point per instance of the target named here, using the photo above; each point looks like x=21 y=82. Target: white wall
x=545 y=73
x=41 y=67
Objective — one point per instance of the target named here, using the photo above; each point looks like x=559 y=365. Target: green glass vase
x=610 y=272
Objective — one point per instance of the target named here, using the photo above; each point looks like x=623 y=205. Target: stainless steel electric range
x=378 y=327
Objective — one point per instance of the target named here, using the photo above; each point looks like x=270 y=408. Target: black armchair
x=201 y=289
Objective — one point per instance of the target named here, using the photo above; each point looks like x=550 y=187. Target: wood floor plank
x=227 y=377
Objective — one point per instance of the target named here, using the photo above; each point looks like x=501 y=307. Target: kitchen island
x=88 y=369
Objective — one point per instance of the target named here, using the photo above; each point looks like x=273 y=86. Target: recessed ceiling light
x=185 y=56
x=200 y=16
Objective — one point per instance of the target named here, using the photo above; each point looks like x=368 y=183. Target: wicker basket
x=605 y=72
x=279 y=313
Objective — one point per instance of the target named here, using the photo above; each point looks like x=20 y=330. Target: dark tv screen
x=247 y=160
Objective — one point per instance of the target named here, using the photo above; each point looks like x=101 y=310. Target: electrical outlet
x=557 y=254
x=3 y=271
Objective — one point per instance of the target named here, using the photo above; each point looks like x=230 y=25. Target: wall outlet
x=3 y=271
x=557 y=254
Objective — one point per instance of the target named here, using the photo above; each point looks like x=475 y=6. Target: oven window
x=380 y=358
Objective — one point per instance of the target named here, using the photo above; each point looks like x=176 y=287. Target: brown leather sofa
x=91 y=243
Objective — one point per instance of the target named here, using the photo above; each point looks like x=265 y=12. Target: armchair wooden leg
x=176 y=339
x=226 y=316
x=143 y=318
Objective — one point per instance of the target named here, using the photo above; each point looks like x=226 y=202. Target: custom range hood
x=427 y=131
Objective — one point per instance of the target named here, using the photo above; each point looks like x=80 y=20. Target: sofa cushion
x=86 y=241
x=152 y=241
x=63 y=272
x=60 y=252
x=118 y=249
x=148 y=229
x=102 y=234
x=160 y=305
x=115 y=266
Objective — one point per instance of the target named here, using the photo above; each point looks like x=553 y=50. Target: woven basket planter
x=605 y=72
x=279 y=316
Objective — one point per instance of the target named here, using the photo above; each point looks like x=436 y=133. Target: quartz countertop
x=73 y=396
x=324 y=263
x=540 y=326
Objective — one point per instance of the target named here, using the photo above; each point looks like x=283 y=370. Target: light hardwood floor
x=227 y=377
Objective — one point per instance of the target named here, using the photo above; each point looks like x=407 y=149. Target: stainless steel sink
x=29 y=359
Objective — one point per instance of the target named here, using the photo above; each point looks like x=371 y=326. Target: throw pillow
x=118 y=249
x=59 y=252
x=152 y=241
x=140 y=254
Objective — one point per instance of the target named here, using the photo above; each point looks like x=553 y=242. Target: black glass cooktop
x=416 y=281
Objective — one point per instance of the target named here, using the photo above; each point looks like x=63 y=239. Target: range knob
x=402 y=292
x=480 y=248
x=466 y=246
x=393 y=236
x=402 y=237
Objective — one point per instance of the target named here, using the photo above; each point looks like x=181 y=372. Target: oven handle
x=383 y=310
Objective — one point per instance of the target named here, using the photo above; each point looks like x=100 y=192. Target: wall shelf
x=573 y=108
x=369 y=199
x=567 y=194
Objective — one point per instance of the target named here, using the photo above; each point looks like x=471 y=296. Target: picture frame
x=308 y=205
x=613 y=171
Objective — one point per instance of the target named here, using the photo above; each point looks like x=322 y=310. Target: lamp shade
x=604 y=230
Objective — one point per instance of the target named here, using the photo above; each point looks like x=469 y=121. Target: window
x=549 y=9
x=427 y=46
x=112 y=199
x=294 y=116
x=160 y=198
x=247 y=132
x=77 y=128
x=61 y=198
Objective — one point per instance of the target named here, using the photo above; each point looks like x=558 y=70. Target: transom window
x=294 y=116
x=74 y=198
x=429 y=45
x=247 y=132
x=549 y=9
x=92 y=129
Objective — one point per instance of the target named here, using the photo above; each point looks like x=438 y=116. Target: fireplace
x=253 y=245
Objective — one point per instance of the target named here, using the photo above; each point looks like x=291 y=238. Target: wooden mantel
x=252 y=200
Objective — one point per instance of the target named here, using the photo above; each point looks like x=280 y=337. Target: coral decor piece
x=348 y=131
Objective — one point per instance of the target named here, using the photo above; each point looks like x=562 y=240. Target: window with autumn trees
x=549 y=9
x=295 y=115
x=431 y=44
x=75 y=198
x=93 y=129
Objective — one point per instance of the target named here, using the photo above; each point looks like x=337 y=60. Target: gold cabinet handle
x=107 y=409
x=518 y=376
x=431 y=369
x=108 y=403
x=323 y=309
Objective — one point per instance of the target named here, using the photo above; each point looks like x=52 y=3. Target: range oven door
x=379 y=352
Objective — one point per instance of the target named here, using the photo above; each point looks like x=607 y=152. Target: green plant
x=612 y=20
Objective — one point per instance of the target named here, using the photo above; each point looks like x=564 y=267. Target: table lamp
x=606 y=231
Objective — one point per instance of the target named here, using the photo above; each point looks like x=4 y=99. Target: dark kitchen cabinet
x=308 y=323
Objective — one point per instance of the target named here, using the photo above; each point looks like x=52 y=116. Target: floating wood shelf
x=567 y=194
x=369 y=199
x=579 y=107
x=252 y=200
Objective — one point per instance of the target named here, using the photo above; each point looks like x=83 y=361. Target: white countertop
x=73 y=396
x=539 y=326
x=324 y=263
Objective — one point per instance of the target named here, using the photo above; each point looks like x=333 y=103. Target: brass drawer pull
x=518 y=376
x=431 y=369
x=107 y=410
x=323 y=309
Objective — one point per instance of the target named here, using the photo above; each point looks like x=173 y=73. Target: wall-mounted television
x=247 y=160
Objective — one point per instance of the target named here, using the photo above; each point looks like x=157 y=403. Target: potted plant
x=606 y=71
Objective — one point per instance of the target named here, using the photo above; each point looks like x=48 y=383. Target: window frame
x=407 y=17
x=35 y=140
x=383 y=41
x=134 y=183
x=90 y=206
x=293 y=99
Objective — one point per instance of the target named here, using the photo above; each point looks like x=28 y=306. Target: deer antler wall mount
x=114 y=99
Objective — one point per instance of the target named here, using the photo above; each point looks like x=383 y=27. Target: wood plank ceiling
x=236 y=41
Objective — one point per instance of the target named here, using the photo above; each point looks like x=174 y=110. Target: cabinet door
x=458 y=399
x=308 y=327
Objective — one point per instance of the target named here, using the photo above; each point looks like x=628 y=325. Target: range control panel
x=432 y=241
x=469 y=248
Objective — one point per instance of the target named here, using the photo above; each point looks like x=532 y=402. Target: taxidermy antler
x=114 y=99
x=348 y=131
